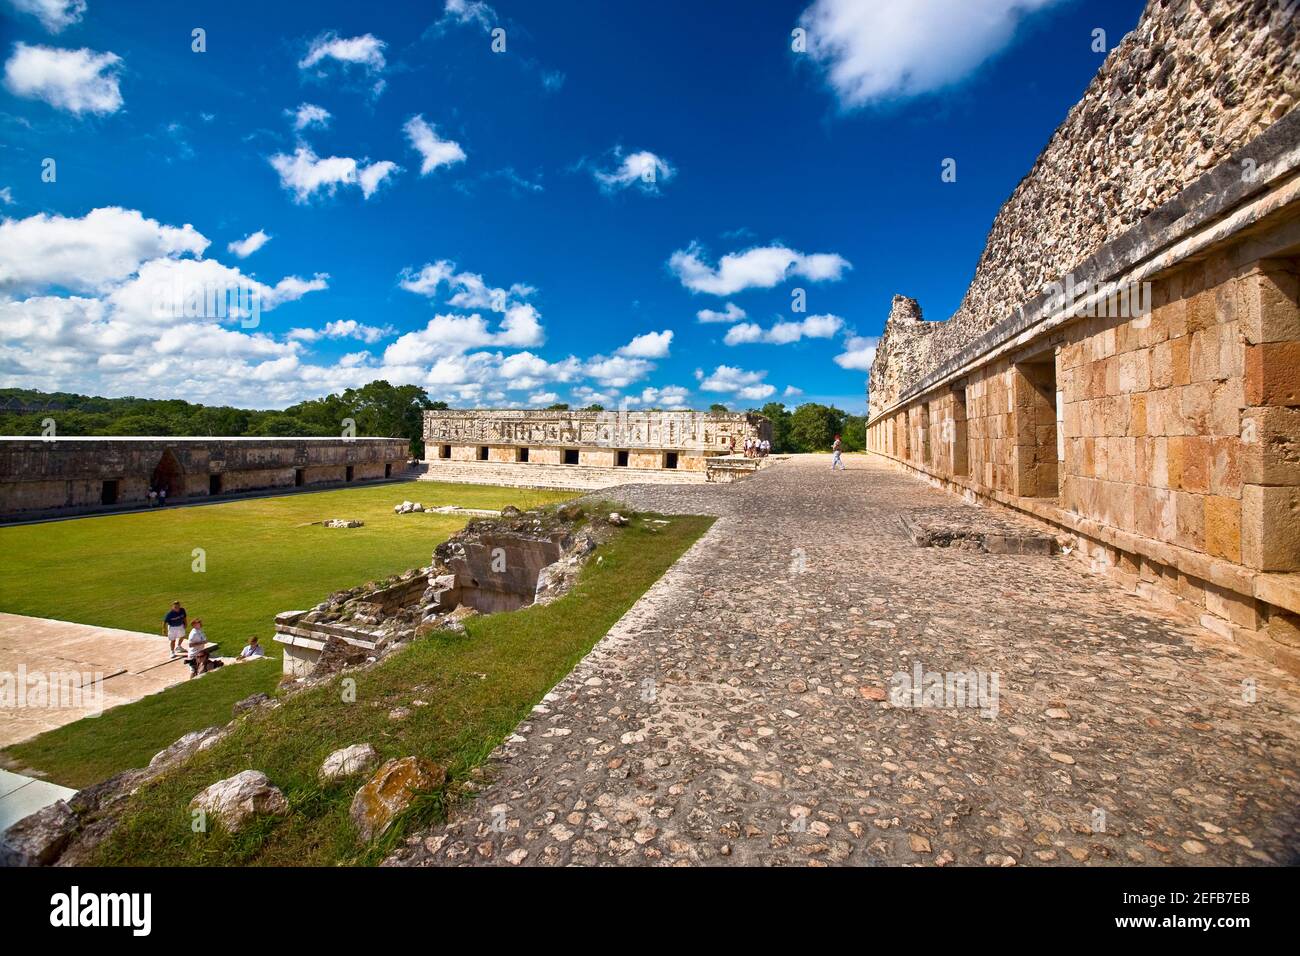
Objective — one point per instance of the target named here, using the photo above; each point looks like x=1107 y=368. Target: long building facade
x=1128 y=371
x=52 y=475
x=683 y=440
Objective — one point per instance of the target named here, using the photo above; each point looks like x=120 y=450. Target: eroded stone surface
x=740 y=713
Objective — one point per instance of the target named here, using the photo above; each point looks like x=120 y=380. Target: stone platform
x=741 y=711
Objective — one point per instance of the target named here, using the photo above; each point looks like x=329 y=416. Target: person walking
x=174 y=623
x=836 y=460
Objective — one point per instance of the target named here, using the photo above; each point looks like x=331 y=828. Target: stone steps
x=528 y=475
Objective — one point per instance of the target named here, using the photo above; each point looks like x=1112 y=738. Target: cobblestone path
x=739 y=712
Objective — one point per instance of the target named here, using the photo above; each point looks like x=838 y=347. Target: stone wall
x=50 y=475
x=682 y=440
x=1192 y=83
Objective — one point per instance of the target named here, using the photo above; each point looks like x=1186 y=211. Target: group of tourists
x=756 y=448
x=157 y=497
x=199 y=652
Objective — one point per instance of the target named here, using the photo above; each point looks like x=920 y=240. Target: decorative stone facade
x=69 y=474
x=1161 y=429
x=680 y=440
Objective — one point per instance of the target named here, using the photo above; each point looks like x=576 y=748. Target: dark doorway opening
x=670 y=459
x=523 y=455
x=482 y=452
x=299 y=477
x=620 y=459
x=349 y=474
x=214 y=484
x=168 y=476
x=444 y=451
x=388 y=469
x=570 y=456
x=108 y=492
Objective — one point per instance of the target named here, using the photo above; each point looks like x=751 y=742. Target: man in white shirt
x=252 y=650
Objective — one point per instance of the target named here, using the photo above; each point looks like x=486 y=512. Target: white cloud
x=651 y=345
x=543 y=398
x=304 y=173
x=760 y=267
x=86 y=254
x=730 y=313
x=671 y=397
x=743 y=384
x=859 y=352
x=899 y=48
x=470 y=11
x=585 y=395
x=434 y=151
x=308 y=115
x=791 y=392
x=54 y=15
x=782 y=333
x=617 y=371
x=79 y=81
x=471 y=292
x=344 y=329
x=366 y=51
x=642 y=169
x=243 y=248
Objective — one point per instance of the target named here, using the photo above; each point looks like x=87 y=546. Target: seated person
x=251 y=650
x=197 y=648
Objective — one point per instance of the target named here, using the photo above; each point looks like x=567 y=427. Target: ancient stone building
x=623 y=439
x=39 y=475
x=1125 y=365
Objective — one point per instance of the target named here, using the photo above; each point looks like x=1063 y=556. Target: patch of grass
x=478 y=685
x=261 y=556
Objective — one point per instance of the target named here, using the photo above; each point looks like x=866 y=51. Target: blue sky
x=544 y=223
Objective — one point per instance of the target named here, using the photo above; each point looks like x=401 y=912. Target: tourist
x=764 y=447
x=198 y=647
x=836 y=460
x=153 y=497
x=748 y=443
x=174 y=622
x=251 y=650
x=162 y=496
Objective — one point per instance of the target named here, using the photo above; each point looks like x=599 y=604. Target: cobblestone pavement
x=739 y=713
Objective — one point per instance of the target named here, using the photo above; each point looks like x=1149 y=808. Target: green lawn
x=477 y=686
x=261 y=556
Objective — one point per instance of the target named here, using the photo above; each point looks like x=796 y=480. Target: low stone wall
x=42 y=476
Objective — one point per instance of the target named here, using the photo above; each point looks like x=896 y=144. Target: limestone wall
x=38 y=475
x=1192 y=83
x=698 y=432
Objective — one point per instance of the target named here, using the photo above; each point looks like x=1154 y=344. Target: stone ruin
x=492 y=565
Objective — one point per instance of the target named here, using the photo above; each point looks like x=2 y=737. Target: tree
x=813 y=427
x=717 y=408
x=557 y=407
x=594 y=408
x=776 y=413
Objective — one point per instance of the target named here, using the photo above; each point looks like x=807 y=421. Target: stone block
x=1270 y=527
x=1269 y=303
x=1223 y=527
x=1273 y=373
x=1270 y=446
x=1225 y=467
x=1191 y=521
x=1197 y=459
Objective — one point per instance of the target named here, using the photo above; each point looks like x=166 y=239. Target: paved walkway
x=75 y=670
x=735 y=714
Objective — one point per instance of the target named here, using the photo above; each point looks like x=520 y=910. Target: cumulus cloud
x=617 y=371
x=901 y=48
x=469 y=290
x=859 y=352
x=243 y=248
x=651 y=345
x=364 y=53
x=55 y=15
x=304 y=173
x=308 y=115
x=730 y=313
x=79 y=81
x=89 y=253
x=760 y=267
x=671 y=397
x=739 y=382
x=782 y=333
x=344 y=329
x=642 y=169
x=434 y=151
x=470 y=11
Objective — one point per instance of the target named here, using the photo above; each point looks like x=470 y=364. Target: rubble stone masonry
x=1162 y=434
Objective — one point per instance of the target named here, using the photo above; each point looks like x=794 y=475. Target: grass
x=477 y=685
x=261 y=557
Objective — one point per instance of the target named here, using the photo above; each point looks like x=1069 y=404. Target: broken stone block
x=348 y=762
x=236 y=800
x=391 y=791
x=37 y=840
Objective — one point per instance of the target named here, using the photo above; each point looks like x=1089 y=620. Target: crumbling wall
x=1194 y=82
